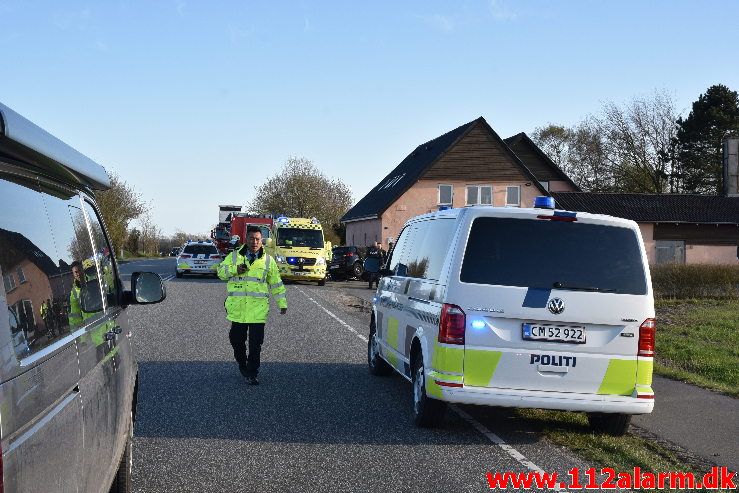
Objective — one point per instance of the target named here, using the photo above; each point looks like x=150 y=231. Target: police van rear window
x=553 y=254
x=200 y=249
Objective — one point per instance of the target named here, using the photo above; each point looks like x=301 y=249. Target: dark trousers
x=238 y=335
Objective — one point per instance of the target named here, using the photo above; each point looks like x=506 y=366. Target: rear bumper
x=563 y=401
x=208 y=270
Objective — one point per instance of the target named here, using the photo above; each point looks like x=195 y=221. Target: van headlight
x=321 y=261
x=280 y=259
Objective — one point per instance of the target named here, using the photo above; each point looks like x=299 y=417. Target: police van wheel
x=616 y=424
x=427 y=412
x=377 y=365
x=178 y=274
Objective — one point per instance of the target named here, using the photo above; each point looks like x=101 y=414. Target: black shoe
x=252 y=380
x=242 y=369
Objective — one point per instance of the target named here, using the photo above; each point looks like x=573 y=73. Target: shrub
x=678 y=281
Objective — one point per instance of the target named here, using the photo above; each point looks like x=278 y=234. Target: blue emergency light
x=478 y=324
x=283 y=220
x=543 y=202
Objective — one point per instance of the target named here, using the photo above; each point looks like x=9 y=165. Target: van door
x=553 y=305
x=106 y=362
x=40 y=402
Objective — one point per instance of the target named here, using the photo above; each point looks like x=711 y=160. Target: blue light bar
x=283 y=220
x=444 y=208
x=543 y=202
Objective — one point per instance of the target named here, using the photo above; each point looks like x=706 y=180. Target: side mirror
x=147 y=288
x=270 y=243
x=328 y=246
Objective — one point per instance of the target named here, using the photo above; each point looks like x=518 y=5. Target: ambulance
x=298 y=247
x=530 y=308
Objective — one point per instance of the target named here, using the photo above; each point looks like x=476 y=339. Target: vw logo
x=556 y=306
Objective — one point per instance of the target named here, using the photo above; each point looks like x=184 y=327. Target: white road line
x=349 y=327
x=515 y=454
x=168 y=278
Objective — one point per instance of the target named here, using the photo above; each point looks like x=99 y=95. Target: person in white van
x=535 y=308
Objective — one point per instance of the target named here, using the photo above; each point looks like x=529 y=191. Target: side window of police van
x=398 y=262
x=104 y=259
x=431 y=242
x=35 y=266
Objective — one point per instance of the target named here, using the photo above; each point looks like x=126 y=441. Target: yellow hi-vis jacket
x=248 y=293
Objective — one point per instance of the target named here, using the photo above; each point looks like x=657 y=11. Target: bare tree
x=300 y=189
x=149 y=235
x=119 y=205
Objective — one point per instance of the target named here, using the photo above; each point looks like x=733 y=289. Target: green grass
x=571 y=431
x=698 y=342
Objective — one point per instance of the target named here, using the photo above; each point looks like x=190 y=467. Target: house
x=470 y=165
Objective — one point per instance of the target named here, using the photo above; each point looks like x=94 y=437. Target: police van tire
x=615 y=424
x=377 y=365
x=178 y=274
x=427 y=412
x=122 y=480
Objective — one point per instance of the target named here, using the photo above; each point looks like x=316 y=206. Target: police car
x=537 y=308
x=198 y=257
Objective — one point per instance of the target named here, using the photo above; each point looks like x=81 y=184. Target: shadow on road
x=296 y=402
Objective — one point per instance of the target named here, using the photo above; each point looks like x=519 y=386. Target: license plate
x=298 y=273
x=556 y=333
x=334 y=267
x=200 y=261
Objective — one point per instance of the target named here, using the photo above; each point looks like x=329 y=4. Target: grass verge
x=622 y=454
x=698 y=342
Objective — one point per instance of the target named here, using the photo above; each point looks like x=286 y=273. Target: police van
x=533 y=308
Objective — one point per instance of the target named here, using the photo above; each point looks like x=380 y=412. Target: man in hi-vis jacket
x=252 y=277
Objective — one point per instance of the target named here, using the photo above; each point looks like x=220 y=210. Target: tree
x=625 y=148
x=132 y=241
x=714 y=116
x=119 y=205
x=637 y=141
x=300 y=189
x=149 y=235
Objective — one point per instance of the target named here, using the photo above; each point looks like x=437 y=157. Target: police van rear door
x=553 y=304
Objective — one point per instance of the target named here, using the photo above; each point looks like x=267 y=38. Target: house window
x=446 y=193
x=21 y=275
x=670 y=252
x=479 y=195
x=9 y=283
x=513 y=196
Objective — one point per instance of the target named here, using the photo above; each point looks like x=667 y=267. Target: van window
x=39 y=237
x=397 y=262
x=429 y=244
x=104 y=259
x=539 y=253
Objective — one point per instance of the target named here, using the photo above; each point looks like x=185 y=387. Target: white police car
x=198 y=257
x=537 y=308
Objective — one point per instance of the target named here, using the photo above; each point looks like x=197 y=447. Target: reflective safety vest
x=248 y=293
x=76 y=316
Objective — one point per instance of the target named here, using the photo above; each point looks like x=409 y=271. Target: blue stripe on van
x=536 y=298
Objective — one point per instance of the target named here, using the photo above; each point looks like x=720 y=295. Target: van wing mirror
x=147 y=288
x=270 y=243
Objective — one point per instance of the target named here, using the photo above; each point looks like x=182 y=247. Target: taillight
x=646 y=338
x=451 y=328
x=185 y=256
x=215 y=257
x=349 y=254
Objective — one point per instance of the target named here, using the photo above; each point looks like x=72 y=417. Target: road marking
x=349 y=327
x=515 y=454
x=168 y=278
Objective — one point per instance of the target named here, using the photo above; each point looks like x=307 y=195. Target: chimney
x=731 y=167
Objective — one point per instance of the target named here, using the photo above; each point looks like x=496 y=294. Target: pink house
x=472 y=165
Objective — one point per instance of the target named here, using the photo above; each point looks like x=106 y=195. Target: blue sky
x=196 y=103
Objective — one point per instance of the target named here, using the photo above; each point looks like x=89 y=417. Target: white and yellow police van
x=534 y=308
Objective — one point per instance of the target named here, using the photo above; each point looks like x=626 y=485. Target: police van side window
x=396 y=260
x=430 y=244
x=29 y=243
x=104 y=259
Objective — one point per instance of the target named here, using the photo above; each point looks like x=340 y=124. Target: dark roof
x=656 y=208
x=407 y=173
x=522 y=138
x=27 y=248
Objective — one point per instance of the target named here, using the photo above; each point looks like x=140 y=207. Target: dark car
x=346 y=262
x=175 y=251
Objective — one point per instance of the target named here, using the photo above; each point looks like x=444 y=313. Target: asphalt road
x=318 y=422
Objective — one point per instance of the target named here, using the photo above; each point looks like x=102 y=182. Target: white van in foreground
x=535 y=308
